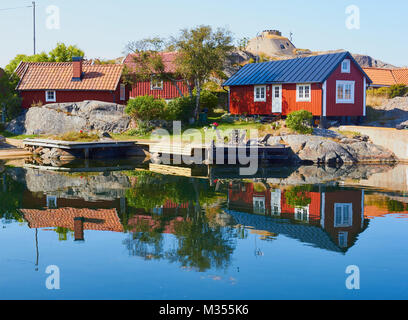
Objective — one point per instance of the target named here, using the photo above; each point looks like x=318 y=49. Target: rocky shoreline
x=340 y=150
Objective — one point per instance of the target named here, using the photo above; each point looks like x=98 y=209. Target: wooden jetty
x=86 y=149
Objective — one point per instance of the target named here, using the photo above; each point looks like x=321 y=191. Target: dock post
x=86 y=153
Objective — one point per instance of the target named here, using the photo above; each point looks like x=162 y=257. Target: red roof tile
x=387 y=77
x=58 y=76
x=401 y=76
x=103 y=219
x=380 y=77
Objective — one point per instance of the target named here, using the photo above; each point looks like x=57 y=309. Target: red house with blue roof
x=331 y=85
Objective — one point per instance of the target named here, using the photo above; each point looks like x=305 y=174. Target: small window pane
x=301 y=88
x=307 y=92
x=340 y=91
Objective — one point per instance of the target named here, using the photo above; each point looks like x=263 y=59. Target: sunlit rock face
x=61 y=118
x=334 y=151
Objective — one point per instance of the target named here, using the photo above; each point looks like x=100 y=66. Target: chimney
x=79 y=229
x=77 y=68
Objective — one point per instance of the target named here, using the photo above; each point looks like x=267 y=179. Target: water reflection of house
x=170 y=213
x=332 y=219
x=52 y=211
x=74 y=219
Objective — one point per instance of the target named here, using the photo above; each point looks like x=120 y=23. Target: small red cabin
x=159 y=89
x=331 y=85
x=76 y=81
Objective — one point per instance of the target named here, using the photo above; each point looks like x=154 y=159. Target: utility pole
x=34 y=25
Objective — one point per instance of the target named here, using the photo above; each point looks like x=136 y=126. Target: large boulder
x=322 y=150
x=60 y=118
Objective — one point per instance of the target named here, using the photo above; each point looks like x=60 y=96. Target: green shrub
x=179 y=109
x=146 y=108
x=208 y=100
x=300 y=121
x=143 y=128
x=398 y=90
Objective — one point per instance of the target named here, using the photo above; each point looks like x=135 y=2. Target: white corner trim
x=324 y=99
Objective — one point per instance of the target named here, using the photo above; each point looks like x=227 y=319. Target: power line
x=14 y=8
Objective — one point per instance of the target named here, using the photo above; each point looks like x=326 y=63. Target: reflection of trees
x=146 y=240
x=11 y=195
x=298 y=196
x=150 y=190
x=200 y=244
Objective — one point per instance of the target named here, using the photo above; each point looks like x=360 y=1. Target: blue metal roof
x=315 y=69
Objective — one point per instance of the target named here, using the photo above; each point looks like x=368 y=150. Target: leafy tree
x=61 y=53
x=202 y=53
x=148 y=61
x=242 y=43
x=10 y=102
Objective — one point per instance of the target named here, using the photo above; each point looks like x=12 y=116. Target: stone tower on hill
x=271 y=43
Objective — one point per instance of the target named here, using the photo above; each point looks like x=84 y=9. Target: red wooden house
x=157 y=88
x=339 y=213
x=331 y=85
x=76 y=81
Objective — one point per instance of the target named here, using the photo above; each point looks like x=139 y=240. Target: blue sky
x=102 y=27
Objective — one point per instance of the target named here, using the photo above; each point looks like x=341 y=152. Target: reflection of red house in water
x=74 y=219
x=170 y=210
x=339 y=213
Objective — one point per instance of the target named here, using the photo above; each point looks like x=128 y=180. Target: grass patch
x=77 y=137
x=349 y=134
x=10 y=135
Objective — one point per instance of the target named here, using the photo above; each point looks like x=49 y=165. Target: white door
x=277 y=99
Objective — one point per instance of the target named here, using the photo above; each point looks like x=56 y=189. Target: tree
x=61 y=53
x=202 y=53
x=149 y=62
x=10 y=102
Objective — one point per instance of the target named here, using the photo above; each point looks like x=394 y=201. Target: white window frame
x=122 y=92
x=47 y=99
x=343 y=84
x=301 y=96
x=348 y=66
x=302 y=214
x=259 y=205
x=153 y=81
x=260 y=99
x=52 y=202
x=343 y=223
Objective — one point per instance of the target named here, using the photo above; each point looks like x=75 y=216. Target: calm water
x=142 y=235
